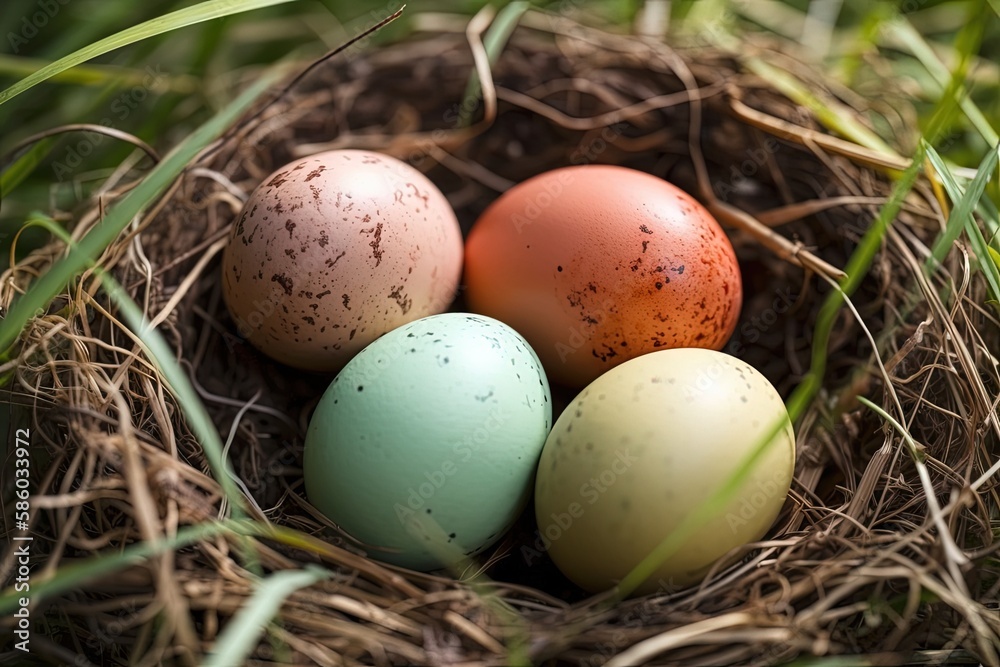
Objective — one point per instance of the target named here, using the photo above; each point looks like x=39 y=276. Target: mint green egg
x=425 y=445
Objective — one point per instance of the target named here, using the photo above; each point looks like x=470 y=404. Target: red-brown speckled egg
x=333 y=250
x=595 y=265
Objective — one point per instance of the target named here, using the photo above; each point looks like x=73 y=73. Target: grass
x=71 y=577
x=240 y=636
x=206 y=11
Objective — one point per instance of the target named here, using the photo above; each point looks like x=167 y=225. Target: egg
x=425 y=445
x=599 y=264
x=333 y=250
x=645 y=446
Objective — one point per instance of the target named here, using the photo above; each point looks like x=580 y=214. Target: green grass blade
x=856 y=269
x=160 y=354
x=869 y=245
x=705 y=512
x=976 y=240
x=908 y=36
x=962 y=212
x=241 y=634
x=825 y=111
x=38 y=296
x=204 y=11
x=494 y=41
x=96 y=75
x=22 y=167
x=72 y=577
x=991 y=217
x=38 y=219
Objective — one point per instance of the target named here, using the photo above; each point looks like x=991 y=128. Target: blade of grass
x=827 y=111
x=964 y=205
x=857 y=268
x=204 y=11
x=860 y=261
x=72 y=577
x=705 y=512
x=904 y=32
x=38 y=296
x=494 y=41
x=976 y=239
x=241 y=634
x=96 y=75
x=160 y=354
x=22 y=167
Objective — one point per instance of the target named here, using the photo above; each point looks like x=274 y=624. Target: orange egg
x=595 y=265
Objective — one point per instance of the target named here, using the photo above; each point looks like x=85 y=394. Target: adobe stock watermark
x=102 y=640
x=576 y=337
x=645 y=613
x=757 y=325
x=462 y=452
x=760 y=496
x=121 y=107
x=33 y=22
x=585 y=153
x=254 y=320
x=589 y=492
x=741 y=174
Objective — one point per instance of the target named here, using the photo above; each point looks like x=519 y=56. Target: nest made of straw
x=862 y=559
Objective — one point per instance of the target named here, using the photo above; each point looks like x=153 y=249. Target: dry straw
x=885 y=546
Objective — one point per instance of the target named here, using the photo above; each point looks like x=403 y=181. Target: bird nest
x=885 y=544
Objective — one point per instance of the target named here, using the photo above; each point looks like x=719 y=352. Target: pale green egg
x=425 y=445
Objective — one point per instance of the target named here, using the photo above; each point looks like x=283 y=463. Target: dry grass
x=881 y=548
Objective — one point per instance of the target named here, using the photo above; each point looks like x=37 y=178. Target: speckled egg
x=645 y=447
x=599 y=264
x=425 y=445
x=333 y=250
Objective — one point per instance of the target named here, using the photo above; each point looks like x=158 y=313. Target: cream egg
x=644 y=447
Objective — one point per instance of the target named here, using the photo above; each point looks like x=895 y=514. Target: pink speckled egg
x=334 y=250
x=595 y=265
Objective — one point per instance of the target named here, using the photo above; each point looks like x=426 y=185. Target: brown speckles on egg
x=315 y=173
x=404 y=302
x=278 y=179
x=376 y=242
x=285 y=282
x=332 y=261
x=340 y=231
